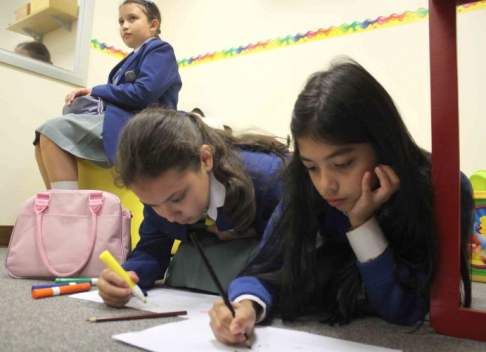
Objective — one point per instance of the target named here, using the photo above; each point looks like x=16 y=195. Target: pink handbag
x=61 y=233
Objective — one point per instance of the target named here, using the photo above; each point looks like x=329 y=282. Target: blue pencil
x=34 y=287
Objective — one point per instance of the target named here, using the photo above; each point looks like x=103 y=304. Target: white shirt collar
x=138 y=48
x=217 y=195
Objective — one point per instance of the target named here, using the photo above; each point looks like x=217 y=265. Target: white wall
x=472 y=90
x=257 y=89
x=260 y=89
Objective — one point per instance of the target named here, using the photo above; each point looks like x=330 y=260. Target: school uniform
x=152 y=255
x=149 y=75
x=375 y=261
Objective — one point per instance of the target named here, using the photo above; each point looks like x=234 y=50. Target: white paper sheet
x=195 y=335
x=164 y=300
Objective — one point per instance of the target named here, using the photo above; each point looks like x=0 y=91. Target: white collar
x=217 y=195
x=138 y=48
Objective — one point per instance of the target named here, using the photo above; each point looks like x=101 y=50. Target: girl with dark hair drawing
x=192 y=177
x=355 y=232
x=147 y=76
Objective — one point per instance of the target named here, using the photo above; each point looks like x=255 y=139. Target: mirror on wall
x=49 y=37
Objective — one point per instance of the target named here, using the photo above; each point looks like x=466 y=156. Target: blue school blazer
x=150 y=258
x=150 y=76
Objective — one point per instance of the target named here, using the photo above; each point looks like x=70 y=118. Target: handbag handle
x=42 y=203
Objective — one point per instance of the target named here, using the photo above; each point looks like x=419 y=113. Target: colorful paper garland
x=110 y=50
x=311 y=36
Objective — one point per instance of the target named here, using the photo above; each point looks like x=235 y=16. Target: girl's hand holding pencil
x=231 y=330
x=239 y=327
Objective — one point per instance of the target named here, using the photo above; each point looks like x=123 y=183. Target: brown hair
x=36 y=50
x=157 y=140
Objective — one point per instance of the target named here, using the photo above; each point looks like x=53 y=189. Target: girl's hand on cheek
x=370 y=199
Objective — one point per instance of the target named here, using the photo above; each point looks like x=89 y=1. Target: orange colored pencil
x=62 y=290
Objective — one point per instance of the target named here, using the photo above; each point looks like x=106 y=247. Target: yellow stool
x=94 y=177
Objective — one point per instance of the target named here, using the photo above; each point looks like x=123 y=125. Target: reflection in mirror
x=35 y=50
x=53 y=23
x=51 y=37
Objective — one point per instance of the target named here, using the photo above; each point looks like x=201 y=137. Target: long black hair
x=347 y=105
x=158 y=140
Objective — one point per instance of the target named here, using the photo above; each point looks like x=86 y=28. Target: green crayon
x=92 y=281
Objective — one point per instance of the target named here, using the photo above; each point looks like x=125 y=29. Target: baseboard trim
x=5 y=233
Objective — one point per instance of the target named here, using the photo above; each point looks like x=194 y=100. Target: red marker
x=62 y=290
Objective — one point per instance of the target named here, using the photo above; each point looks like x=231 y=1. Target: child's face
x=135 y=27
x=337 y=170
x=180 y=197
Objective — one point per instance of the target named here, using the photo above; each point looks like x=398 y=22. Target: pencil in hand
x=139 y=316
x=222 y=292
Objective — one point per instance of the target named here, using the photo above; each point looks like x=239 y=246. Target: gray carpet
x=59 y=324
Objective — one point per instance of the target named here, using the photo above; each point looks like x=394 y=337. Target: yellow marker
x=209 y=222
x=117 y=268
